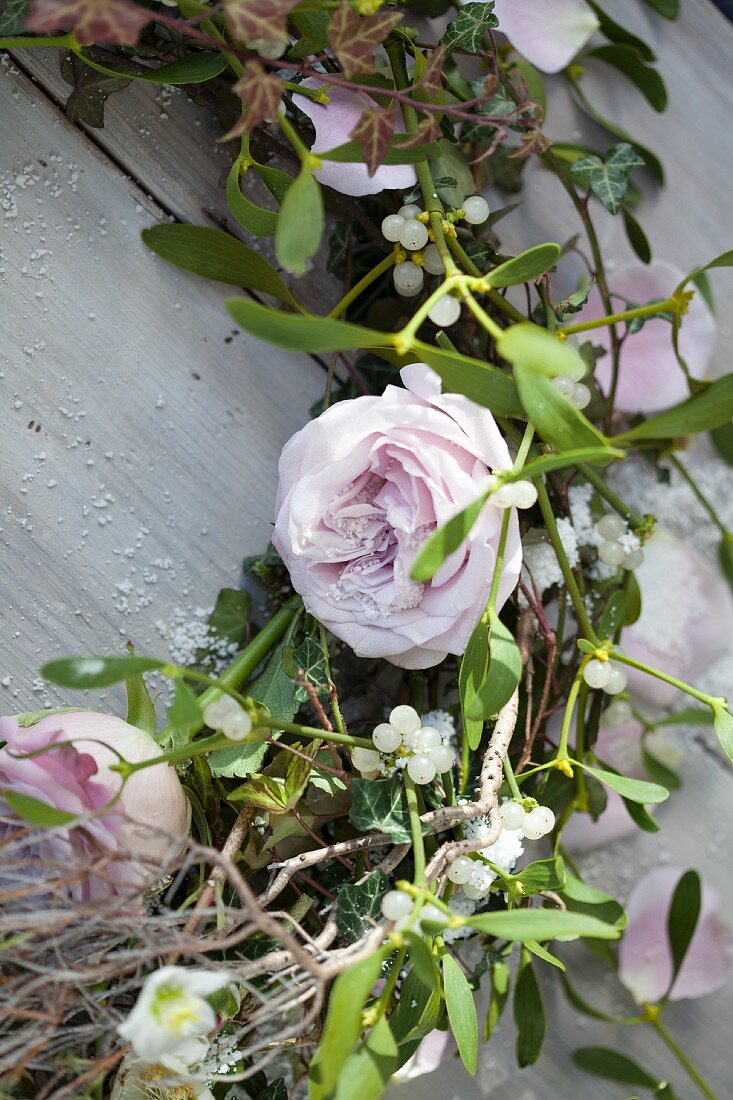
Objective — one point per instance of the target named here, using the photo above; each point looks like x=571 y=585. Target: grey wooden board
x=155 y=467
x=176 y=161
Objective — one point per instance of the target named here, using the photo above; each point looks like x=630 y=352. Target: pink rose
x=650 y=378
x=362 y=487
x=334 y=124
x=548 y=32
x=77 y=779
x=645 y=960
x=686 y=617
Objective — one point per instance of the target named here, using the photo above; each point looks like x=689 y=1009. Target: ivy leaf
x=91 y=91
x=354 y=38
x=12 y=17
x=249 y=20
x=118 y=21
x=273 y=791
x=354 y=903
x=306 y=662
x=529 y=1016
x=431 y=80
x=609 y=179
x=380 y=804
x=373 y=132
x=260 y=92
x=300 y=225
x=461 y=1012
x=505 y=668
x=238 y=761
x=468 y=28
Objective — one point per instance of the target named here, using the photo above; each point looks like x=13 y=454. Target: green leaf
x=555 y=418
x=723 y=441
x=216 y=255
x=670 y=9
x=380 y=804
x=194 y=69
x=580 y=897
x=616 y=33
x=230 y=616
x=505 y=668
x=351 y=152
x=632 y=602
x=608 y=179
x=584 y=1006
x=613 y=1066
x=480 y=382
x=658 y=771
x=688 y=716
x=540 y=351
x=409 y=1019
x=499 y=994
x=140 y=709
x=641 y=816
x=541 y=924
x=184 y=713
x=543 y=874
x=300 y=226
x=626 y=60
x=542 y=953
x=354 y=903
x=723 y=725
x=447 y=539
x=636 y=790
x=367 y=1072
x=342 y=1028
x=525 y=267
x=474 y=665
x=96 y=672
x=535 y=85
x=636 y=235
x=36 y=812
x=612 y=617
x=529 y=1016
x=684 y=913
x=545 y=464
x=725 y=556
x=466 y=31
x=461 y=1012
x=275 y=689
x=422 y=961
x=238 y=761
x=255 y=219
x=711 y=408
x=12 y=17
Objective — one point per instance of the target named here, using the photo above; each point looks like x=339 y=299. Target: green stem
x=569 y=577
x=562 y=748
x=494 y=330
x=669 y=305
x=418 y=845
x=367 y=280
x=471 y=268
x=682 y=1058
x=511 y=779
x=699 y=494
x=657 y=673
x=633 y=518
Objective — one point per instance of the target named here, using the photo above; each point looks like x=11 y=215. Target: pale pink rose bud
x=650 y=378
x=548 y=33
x=645 y=960
x=76 y=778
x=362 y=488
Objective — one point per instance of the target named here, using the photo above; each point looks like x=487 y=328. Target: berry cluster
x=406 y=743
x=515 y=494
x=605 y=675
x=619 y=546
x=407 y=229
x=532 y=824
x=577 y=393
x=225 y=714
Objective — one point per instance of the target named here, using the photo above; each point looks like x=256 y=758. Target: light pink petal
x=432 y=1052
x=582 y=833
x=645 y=962
x=548 y=32
x=686 y=617
x=650 y=377
x=333 y=124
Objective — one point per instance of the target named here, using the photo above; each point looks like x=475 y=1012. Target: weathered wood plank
x=140 y=436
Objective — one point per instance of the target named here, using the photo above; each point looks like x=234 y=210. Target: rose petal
x=645 y=961
x=548 y=32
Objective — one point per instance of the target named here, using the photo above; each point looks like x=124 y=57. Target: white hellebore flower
x=171 y=1018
